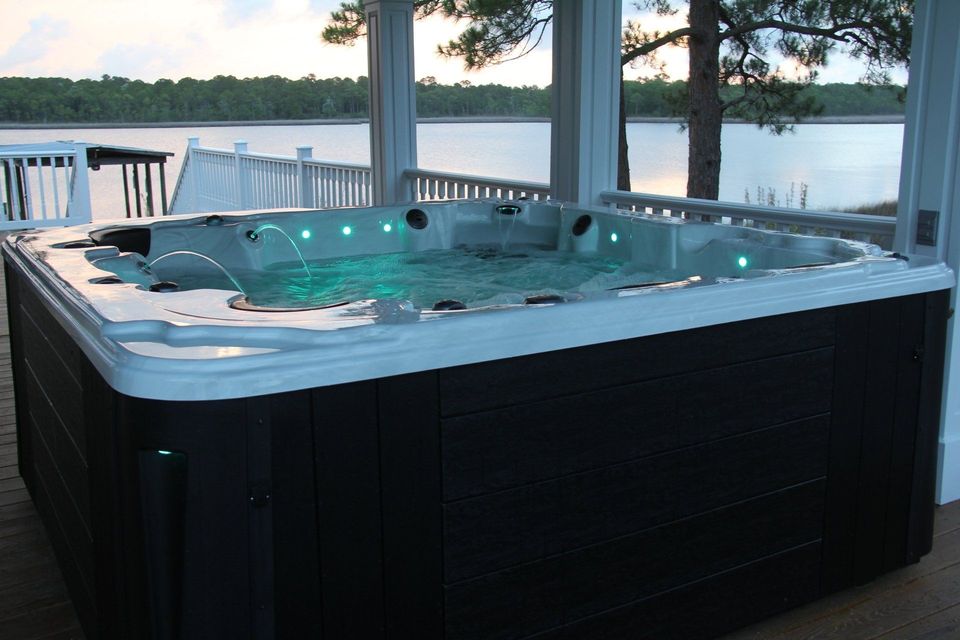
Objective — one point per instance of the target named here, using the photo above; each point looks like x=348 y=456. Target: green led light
x=347 y=231
x=387 y=228
x=742 y=262
x=305 y=234
x=614 y=237
x=165 y=453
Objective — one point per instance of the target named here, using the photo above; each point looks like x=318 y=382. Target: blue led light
x=387 y=228
x=614 y=237
x=346 y=231
x=305 y=234
x=165 y=453
x=742 y=262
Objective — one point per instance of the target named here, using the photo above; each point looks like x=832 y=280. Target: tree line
x=117 y=99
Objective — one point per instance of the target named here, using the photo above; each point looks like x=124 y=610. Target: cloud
x=152 y=60
x=44 y=31
x=239 y=11
x=204 y=38
x=324 y=7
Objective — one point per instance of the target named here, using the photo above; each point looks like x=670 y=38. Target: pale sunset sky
x=247 y=38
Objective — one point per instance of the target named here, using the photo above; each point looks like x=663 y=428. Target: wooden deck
x=919 y=602
x=33 y=598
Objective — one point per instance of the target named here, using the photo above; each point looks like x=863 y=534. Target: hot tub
x=705 y=419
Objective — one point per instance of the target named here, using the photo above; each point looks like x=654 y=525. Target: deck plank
x=944 y=625
x=9 y=471
x=55 y=622
x=34 y=604
x=893 y=602
x=948 y=519
x=17 y=495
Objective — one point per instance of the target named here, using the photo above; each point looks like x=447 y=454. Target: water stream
x=272 y=227
x=208 y=259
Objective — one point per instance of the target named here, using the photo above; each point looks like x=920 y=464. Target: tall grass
x=771 y=198
x=884 y=208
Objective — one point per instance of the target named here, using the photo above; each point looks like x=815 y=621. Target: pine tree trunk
x=623 y=162
x=705 y=116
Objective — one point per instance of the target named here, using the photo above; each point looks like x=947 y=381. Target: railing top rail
x=38 y=154
x=483 y=181
x=352 y=166
x=211 y=151
x=855 y=222
x=316 y=162
x=268 y=156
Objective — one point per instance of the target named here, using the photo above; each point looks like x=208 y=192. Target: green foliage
x=466 y=100
x=806 y=32
x=113 y=99
x=495 y=30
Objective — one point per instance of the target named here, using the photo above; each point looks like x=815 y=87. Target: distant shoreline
x=882 y=119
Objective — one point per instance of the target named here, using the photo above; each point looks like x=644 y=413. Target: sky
x=148 y=40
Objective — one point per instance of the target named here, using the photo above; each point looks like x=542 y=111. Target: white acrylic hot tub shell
x=192 y=346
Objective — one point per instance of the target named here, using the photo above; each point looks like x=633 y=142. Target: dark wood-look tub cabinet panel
x=673 y=486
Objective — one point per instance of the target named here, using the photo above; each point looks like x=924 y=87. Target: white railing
x=222 y=180
x=854 y=226
x=439 y=185
x=44 y=188
x=337 y=184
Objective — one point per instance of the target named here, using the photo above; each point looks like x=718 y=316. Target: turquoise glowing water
x=478 y=276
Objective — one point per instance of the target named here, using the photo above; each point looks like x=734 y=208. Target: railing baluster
x=40 y=189
x=338 y=182
x=329 y=194
x=328 y=197
x=10 y=173
x=27 y=192
x=55 y=188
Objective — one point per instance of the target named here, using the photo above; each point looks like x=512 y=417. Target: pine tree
x=730 y=44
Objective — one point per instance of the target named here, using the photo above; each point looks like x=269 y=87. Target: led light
x=347 y=231
x=165 y=453
x=387 y=228
x=305 y=234
x=614 y=237
x=742 y=262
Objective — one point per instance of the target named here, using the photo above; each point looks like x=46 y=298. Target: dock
x=921 y=601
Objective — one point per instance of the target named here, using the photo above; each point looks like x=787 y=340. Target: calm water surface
x=843 y=166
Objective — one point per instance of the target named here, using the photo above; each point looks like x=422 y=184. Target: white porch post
x=193 y=177
x=393 y=111
x=306 y=195
x=79 y=208
x=239 y=149
x=586 y=100
x=928 y=218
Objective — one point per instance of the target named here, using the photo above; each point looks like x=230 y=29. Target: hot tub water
x=477 y=276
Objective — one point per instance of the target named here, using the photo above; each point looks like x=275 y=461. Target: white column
x=80 y=208
x=239 y=149
x=586 y=100
x=305 y=194
x=393 y=108
x=193 y=175
x=928 y=218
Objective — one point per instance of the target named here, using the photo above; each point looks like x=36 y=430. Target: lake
x=843 y=165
